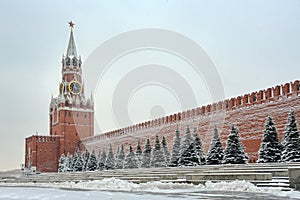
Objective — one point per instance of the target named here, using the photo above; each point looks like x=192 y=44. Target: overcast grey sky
x=253 y=44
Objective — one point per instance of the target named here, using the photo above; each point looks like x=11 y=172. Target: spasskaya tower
x=71 y=113
x=71 y=116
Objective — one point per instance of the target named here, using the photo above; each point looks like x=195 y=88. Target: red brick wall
x=247 y=112
x=44 y=152
x=73 y=123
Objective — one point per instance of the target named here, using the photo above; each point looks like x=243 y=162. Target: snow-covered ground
x=118 y=189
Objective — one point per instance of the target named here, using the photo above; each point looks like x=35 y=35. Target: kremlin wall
x=248 y=112
x=71 y=119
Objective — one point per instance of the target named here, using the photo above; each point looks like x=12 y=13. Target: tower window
x=84 y=115
x=77 y=115
x=68 y=61
x=74 y=62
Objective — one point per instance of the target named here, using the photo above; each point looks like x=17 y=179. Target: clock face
x=75 y=87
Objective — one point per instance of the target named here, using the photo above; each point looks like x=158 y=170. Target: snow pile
x=113 y=184
x=105 y=184
x=242 y=186
x=290 y=194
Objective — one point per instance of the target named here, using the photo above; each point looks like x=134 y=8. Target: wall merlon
x=268 y=94
x=220 y=105
x=260 y=95
x=238 y=101
x=277 y=91
x=231 y=103
x=214 y=107
x=296 y=86
x=286 y=89
x=208 y=108
x=246 y=99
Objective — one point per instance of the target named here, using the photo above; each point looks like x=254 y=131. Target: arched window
x=68 y=61
x=74 y=62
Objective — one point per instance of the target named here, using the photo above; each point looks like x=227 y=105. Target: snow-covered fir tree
x=270 y=148
x=189 y=157
x=69 y=163
x=146 y=160
x=176 y=149
x=75 y=157
x=79 y=164
x=187 y=140
x=101 y=161
x=158 y=158
x=92 y=162
x=215 y=153
x=85 y=157
x=139 y=153
x=120 y=159
x=99 y=165
x=118 y=153
x=62 y=163
x=290 y=143
x=234 y=152
x=165 y=150
x=198 y=149
x=110 y=161
x=131 y=160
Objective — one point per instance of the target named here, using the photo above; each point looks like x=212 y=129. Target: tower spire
x=71 y=51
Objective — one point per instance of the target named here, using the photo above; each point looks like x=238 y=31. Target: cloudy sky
x=253 y=45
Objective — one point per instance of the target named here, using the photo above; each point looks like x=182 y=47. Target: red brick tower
x=71 y=114
x=71 y=117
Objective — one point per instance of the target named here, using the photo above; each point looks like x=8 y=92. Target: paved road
x=24 y=193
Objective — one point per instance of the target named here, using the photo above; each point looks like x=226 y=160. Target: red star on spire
x=71 y=24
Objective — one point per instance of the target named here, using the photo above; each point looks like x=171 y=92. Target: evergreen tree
x=78 y=166
x=234 y=152
x=165 y=150
x=120 y=159
x=215 y=153
x=270 y=148
x=146 y=160
x=188 y=139
x=158 y=159
x=199 y=150
x=100 y=166
x=118 y=153
x=85 y=157
x=69 y=163
x=75 y=158
x=101 y=162
x=130 y=161
x=110 y=161
x=92 y=162
x=195 y=132
x=62 y=163
x=189 y=157
x=290 y=143
x=139 y=153
x=176 y=150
